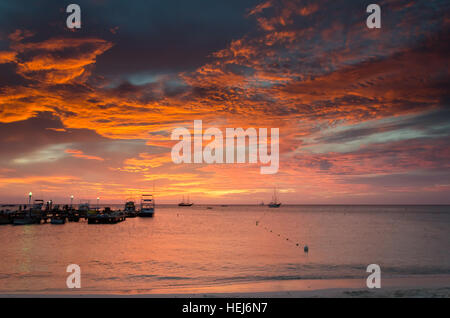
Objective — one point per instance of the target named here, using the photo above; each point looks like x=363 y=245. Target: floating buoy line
x=267 y=229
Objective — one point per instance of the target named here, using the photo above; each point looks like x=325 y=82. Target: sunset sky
x=363 y=114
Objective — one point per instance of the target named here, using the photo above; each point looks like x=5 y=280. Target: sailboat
x=275 y=203
x=183 y=203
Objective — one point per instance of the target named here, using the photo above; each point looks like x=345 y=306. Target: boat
x=5 y=217
x=183 y=203
x=130 y=209
x=23 y=218
x=38 y=205
x=107 y=216
x=147 y=206
x=84 y=210
x=72 y=214
x=58 y=219
x=275 y=203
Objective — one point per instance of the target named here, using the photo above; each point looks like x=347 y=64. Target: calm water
x=195 y=247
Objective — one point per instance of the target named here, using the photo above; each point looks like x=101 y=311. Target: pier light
x=29 y=197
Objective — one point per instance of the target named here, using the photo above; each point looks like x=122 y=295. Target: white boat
x=147 y=206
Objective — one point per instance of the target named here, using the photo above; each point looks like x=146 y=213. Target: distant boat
x=187 y=203
x=275 y=203
x=147 y=206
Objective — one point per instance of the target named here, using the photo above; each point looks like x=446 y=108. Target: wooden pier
x=55 y=215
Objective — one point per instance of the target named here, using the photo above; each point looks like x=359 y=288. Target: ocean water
x=188 y=248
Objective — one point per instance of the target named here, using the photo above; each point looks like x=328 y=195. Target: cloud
x=58 y=60
x=79 y=154
x=7 y=57
x=354 y=106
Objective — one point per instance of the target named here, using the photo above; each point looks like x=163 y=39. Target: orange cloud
x=79 y=154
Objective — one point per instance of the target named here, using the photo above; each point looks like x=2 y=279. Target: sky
x=363 y=114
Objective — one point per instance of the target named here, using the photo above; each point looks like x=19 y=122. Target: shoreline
x=415 y=287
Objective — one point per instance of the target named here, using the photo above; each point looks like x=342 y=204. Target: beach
x=410 y=287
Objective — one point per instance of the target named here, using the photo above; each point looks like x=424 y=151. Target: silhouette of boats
x=274 y=203
x=130 y=209
x=187 y=203
x=106 y=216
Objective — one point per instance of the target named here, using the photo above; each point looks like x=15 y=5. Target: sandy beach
x=406 y=287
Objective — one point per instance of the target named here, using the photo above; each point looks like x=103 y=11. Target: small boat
x=107 y=216
x=23 y=219
x=5 y=217
x=275 y=203
x=130 y=209
x=147 y=206
x=84 y=210
x=58 y=220
x=183 y=203
x=72 y=214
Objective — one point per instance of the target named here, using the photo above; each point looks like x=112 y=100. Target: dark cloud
x=46 y=130
x=431 y=124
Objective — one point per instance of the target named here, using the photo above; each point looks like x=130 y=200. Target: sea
x=202 y=248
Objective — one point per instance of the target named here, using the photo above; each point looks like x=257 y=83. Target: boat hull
x=24 y=221
x=147 y=213
x=58 y=221
x=4 y=219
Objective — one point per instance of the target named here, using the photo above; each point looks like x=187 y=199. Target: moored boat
x=58 y=220
x=147 y=206
x=23 y=219
x=107 y=216
x=5 y=217
x=130 y=209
